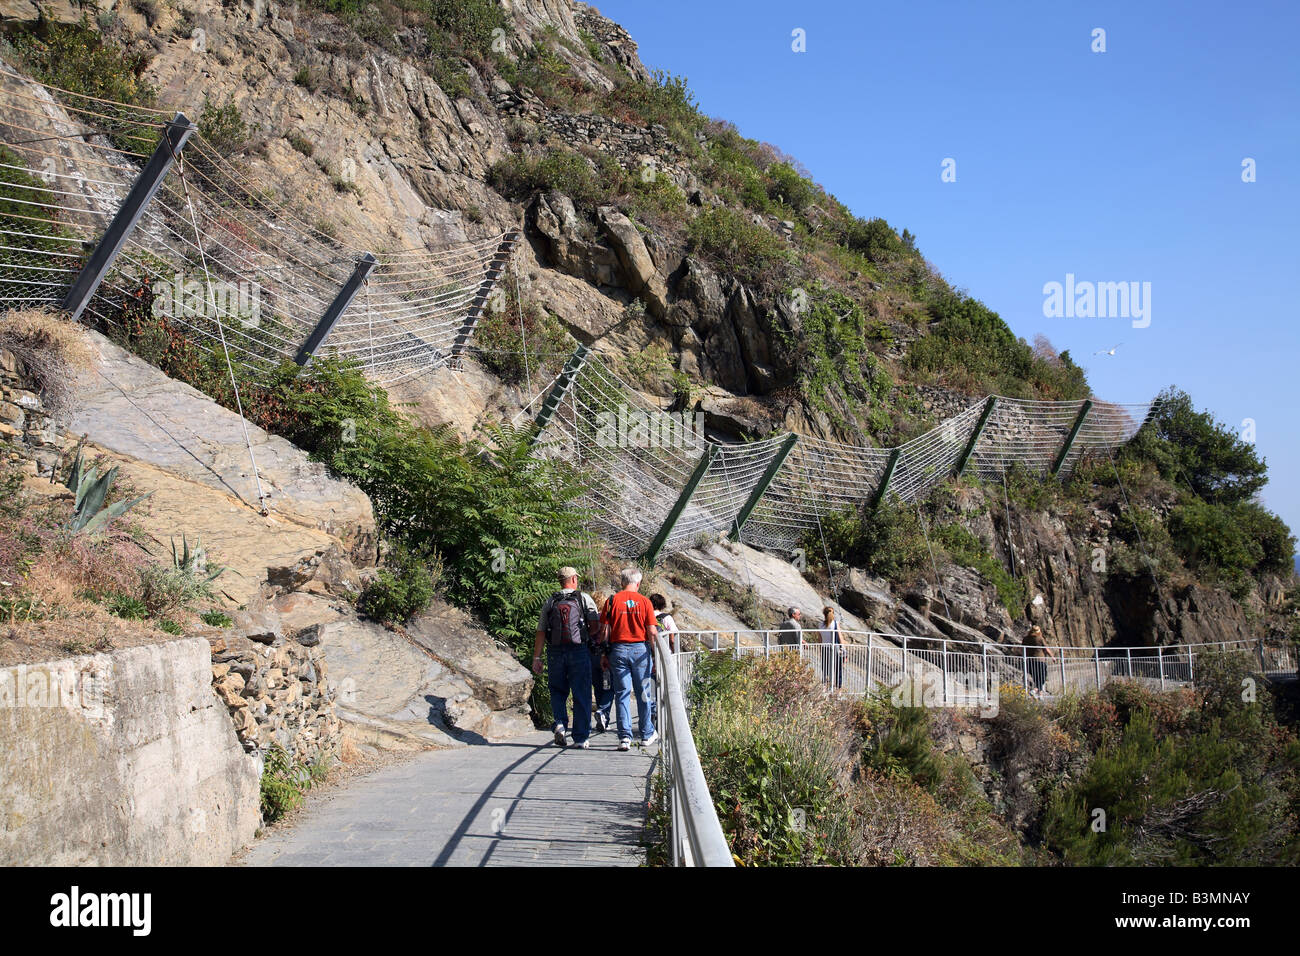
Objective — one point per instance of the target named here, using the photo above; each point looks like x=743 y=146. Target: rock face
x=138 y=765
x=130 y=408
x=444 y=684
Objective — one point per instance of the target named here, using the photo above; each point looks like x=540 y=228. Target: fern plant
x=89 y=515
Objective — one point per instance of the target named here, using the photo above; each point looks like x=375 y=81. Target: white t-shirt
x=667 y=626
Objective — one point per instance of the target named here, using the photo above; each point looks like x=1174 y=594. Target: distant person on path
x=791 y=629
x=832 y=650
x=629 y=621
x=566 y=624
x=602 y=678
x=1036 y=655
x=667 y=627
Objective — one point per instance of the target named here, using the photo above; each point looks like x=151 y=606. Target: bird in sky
x=1109 y=351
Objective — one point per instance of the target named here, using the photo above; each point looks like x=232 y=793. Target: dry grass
x=50 y=349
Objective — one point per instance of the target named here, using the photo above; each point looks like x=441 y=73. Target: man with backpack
x=568 y=620
x=629 y=622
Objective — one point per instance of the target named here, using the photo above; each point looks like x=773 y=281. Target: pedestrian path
x=524 y=802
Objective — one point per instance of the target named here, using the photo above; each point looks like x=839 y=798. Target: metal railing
x=965 y=673
x=695 y=835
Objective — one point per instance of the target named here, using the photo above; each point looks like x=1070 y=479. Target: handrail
x=696 y=835
x=969 y=673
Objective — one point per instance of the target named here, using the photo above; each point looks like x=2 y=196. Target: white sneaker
x=559 y=735
x=602 y=723
x=625 y=744
x=585 y=745
x=650 y=740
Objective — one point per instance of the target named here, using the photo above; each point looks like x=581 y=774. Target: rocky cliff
x=403 y=132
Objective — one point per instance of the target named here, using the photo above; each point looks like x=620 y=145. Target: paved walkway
x=525 y=802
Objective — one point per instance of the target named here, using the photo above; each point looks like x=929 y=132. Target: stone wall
x=32 y=436
x=122 y=759
x=276 y=689
x=632 y=146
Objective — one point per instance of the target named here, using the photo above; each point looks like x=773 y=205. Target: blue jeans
x=604 y=698
x=631 y=666
x=570 y=671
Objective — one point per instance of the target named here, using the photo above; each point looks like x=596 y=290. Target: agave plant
x=194 y=561
x=90 y=489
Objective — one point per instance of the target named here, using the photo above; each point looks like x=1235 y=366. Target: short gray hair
x=792 y=611
x=629 y=577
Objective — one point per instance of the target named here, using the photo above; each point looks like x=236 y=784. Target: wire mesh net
x=604 y=425
x=213 y=251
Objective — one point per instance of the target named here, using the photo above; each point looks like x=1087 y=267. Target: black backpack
x=566 y=619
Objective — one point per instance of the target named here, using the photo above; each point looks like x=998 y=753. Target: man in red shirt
x=629 y=622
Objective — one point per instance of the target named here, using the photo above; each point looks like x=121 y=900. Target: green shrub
x=402 y=588
x=126 y=606
x=1194 y=451
x=216 y=619
x=285 y=781
x=788 y=187
x=223 y=127
x=78 y=58
x=540 y=347
x=734 y=244
x=165 y=590
x=968 y=551
x=887 y=541
x=1231 y=543
x=588 y=184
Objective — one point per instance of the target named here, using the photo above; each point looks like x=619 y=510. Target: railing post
x=885 y=479
x=1062 y=660
x=1096 y=661
x=1160 y=656
x=760 y=489
x=1191 y=666
x=175 y=135
x=1128 y=653
x=1024 y=667
x=986 y=685
x=945 y=673
x=480 y=300
x=870 y=674
x=325 y=326
x=975 y=436
x=1069 y=439
x=666 y=529
x=736 y=637
x=767 y=643
x=563 y=382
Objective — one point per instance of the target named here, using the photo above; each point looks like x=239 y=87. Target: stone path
x=524 y=802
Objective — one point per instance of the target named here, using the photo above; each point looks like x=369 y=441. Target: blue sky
x=1117 y=166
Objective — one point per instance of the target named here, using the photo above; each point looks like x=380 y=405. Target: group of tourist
x=603 y=646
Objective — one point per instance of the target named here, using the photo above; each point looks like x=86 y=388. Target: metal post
x=975 y=436
x=760 y=489
x=480 y=300
x=736 y=636
x=336 y=309
x=1024 y=667
x=175 y=135
x=1160 y=656
x=1128 y=652
x=869 y=661
x=945 y=673
x=563 y=382
x=666 y=529
x=1069 y=439
x=1062 y=660
x=986 y=685
x=1096 y=660
x=1191 y=667
x=767 y=643
x=879 y=496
